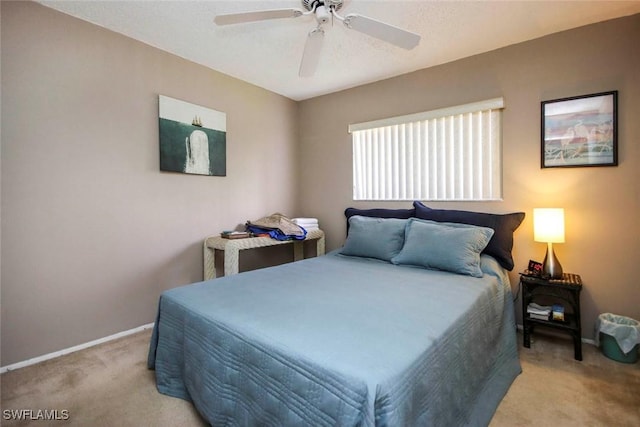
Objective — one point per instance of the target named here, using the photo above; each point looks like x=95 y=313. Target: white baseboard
x=583 y=339
x=69 y=350
x=55 y=354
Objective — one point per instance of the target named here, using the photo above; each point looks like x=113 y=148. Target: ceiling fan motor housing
x=330 y=4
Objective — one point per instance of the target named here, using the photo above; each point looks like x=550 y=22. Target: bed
x=345 y=339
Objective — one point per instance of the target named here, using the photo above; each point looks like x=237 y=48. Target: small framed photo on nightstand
x=534 y=268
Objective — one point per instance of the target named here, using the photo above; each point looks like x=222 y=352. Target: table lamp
x=548 y=227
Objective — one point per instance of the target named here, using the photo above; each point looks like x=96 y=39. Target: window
x=447 y=154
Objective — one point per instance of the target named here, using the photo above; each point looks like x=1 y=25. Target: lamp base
x=551 y=267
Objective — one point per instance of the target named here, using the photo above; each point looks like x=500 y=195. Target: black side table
x=566 y=290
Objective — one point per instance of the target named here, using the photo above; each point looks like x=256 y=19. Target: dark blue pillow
x=379 y=213
x=503 y=225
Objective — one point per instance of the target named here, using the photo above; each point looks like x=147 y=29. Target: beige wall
x=601 y=204
x=92 y=231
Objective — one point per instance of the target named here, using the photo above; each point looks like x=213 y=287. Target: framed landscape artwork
x=193 y=139
x=580 y=131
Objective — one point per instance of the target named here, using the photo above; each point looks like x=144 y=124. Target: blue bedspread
x=339 y=340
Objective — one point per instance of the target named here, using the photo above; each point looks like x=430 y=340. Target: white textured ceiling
x=268 y=53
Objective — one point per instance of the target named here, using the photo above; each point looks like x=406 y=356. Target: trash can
x=619 y=337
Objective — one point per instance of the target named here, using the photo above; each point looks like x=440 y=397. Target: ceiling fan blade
x=239 y=18
x=380 y=30
x=311 y=54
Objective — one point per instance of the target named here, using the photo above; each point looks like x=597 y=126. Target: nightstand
x=566 y=291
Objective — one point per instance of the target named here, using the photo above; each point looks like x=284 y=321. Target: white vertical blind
x=427 y=156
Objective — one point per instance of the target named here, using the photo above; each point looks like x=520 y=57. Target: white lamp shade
x=548 y=225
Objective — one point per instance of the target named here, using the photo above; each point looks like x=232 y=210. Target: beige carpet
x=109 y=385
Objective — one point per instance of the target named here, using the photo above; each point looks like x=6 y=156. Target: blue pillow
x=380 y=238
x=504 y=225
x=449 y=247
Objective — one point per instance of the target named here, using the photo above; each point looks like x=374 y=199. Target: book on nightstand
x=539 y=316
x=540 y=312
x=558 y=312
x=235 y=234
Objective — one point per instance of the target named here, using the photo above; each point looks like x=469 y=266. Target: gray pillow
x=444 y=246
x=380 y=238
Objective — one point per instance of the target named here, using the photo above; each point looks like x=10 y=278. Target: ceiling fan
x=323 y=11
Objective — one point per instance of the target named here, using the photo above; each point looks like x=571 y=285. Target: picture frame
x=580 y=131
x=534 y=268
x=193 y=138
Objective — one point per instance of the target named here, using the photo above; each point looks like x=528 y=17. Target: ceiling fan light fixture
x=322 y=15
